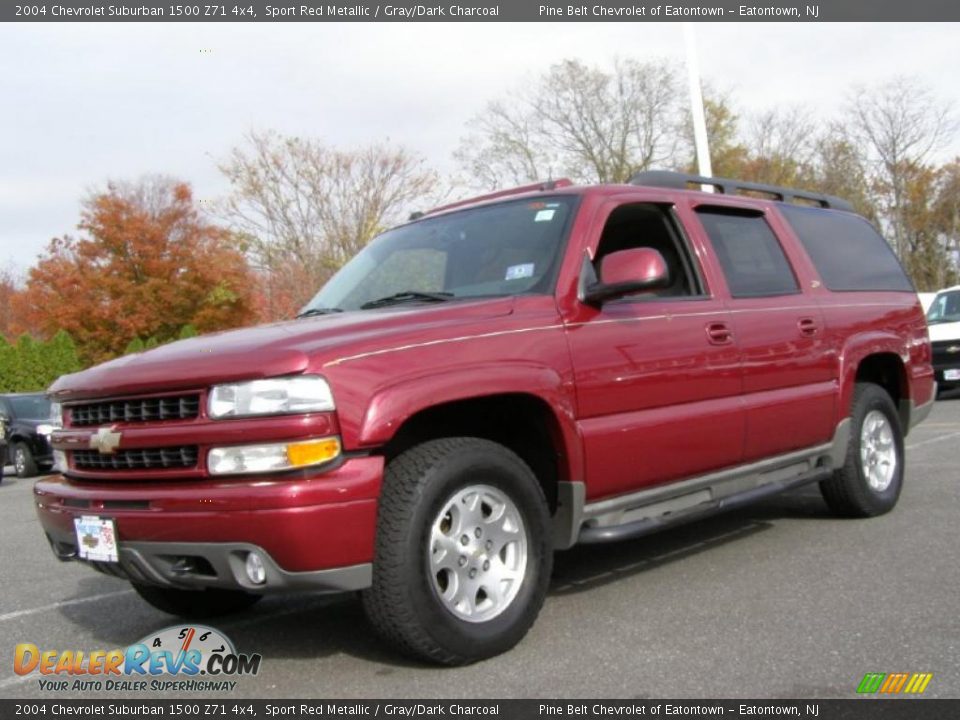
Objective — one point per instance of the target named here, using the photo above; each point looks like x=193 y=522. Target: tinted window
x=847 y=252
x=644 y=225
x=31 y=407
x=508 y=248
x=749 y=253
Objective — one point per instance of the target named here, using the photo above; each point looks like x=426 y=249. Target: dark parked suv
x=26 y=428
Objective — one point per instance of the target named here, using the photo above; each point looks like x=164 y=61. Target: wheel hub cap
x=478 y=553
x=878 y=453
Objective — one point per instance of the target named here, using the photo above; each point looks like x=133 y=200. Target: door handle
x=719 y=333
x=808 y=327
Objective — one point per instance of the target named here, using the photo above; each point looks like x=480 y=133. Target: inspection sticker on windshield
x=517 y=272
x=96 y=538
x=544 y=215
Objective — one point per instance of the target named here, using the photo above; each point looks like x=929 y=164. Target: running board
x=640 y=513
x=599 y=534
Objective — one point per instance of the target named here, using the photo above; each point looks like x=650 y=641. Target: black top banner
x=481 y=11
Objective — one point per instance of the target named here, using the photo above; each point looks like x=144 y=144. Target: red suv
x=492 y=381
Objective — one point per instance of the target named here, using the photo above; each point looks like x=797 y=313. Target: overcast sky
x=84 y=103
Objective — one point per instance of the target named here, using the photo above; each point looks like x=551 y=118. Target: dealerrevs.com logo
x=176 y=659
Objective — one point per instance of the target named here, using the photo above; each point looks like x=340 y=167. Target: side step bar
x=598 y=534
x=661 y=506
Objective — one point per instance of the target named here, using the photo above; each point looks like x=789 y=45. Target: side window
x=846 y=250
x=652 y=226
x=749 y=253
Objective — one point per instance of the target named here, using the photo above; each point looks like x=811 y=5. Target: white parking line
x=931 y=441
x=64 y=603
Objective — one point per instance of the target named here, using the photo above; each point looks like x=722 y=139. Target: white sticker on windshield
x=544 y=216
x=517 y=272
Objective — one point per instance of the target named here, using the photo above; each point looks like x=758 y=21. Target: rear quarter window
x=847 y=251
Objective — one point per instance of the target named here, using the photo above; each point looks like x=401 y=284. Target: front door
x=657 y=374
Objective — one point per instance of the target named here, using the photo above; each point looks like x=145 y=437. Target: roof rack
x=727 y=186
x=542 y=186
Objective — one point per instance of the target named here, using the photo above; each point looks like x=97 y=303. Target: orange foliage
x=8 y=291
x=149 y=265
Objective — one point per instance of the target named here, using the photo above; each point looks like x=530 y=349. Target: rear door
x=789 y=383
x=657 y=374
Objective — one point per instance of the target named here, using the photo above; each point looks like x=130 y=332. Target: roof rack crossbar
x=542 y=186
x=728 y=186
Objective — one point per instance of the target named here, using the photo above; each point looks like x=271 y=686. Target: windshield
x=31 y=407
x=945 y=308
x=508 y=248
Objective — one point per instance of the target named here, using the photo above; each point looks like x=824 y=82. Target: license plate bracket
x=96 y=538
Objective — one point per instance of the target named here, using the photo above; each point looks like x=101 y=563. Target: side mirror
x=625 y=272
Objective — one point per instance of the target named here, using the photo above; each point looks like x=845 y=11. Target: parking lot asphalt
x=776 y=600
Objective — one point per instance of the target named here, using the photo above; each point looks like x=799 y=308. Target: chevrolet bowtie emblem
x=105 y=441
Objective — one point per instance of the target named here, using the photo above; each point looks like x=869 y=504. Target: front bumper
x=314 y=531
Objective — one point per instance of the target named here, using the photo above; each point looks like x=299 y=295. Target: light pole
x=700 y=142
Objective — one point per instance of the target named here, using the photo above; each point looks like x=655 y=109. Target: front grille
x=170 y=458
x=174 y=407
x=942 y=357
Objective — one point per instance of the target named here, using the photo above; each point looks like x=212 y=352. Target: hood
x=944 y=331
x=284 y=348
x=32 y=423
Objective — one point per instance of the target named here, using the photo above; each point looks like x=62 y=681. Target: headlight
x=56 y=414
x=277 y=396
x=241 y=459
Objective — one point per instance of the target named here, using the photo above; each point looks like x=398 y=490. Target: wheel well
x=887 y=371
x=523 y=423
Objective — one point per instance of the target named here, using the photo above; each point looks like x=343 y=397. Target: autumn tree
x=728 y=153
x=587 y=123
x=9 y=286
x=306 y=208
x=947 y=213
x=146 y=265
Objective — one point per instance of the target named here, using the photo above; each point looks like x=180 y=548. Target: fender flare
x=855 y=350
x=392 y=406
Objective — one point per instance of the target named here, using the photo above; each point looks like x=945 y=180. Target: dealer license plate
x=96 y=538
x=953 y=374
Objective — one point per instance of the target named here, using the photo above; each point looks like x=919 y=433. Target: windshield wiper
x=407 y=296
x=309 y=312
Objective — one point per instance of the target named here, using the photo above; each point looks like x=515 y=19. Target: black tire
x=403 y=603
x=196 y=604
x=848 y=492
x=23 y=460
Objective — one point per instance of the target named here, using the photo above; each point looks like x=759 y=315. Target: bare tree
x=841 y=169
x=782 y=146
x=898 y=125
x=307 y=208
x=590 y=124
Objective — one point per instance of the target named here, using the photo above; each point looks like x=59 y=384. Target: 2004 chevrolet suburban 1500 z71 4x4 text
x=489 y=382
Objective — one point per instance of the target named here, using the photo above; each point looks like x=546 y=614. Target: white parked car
x=943 y=317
